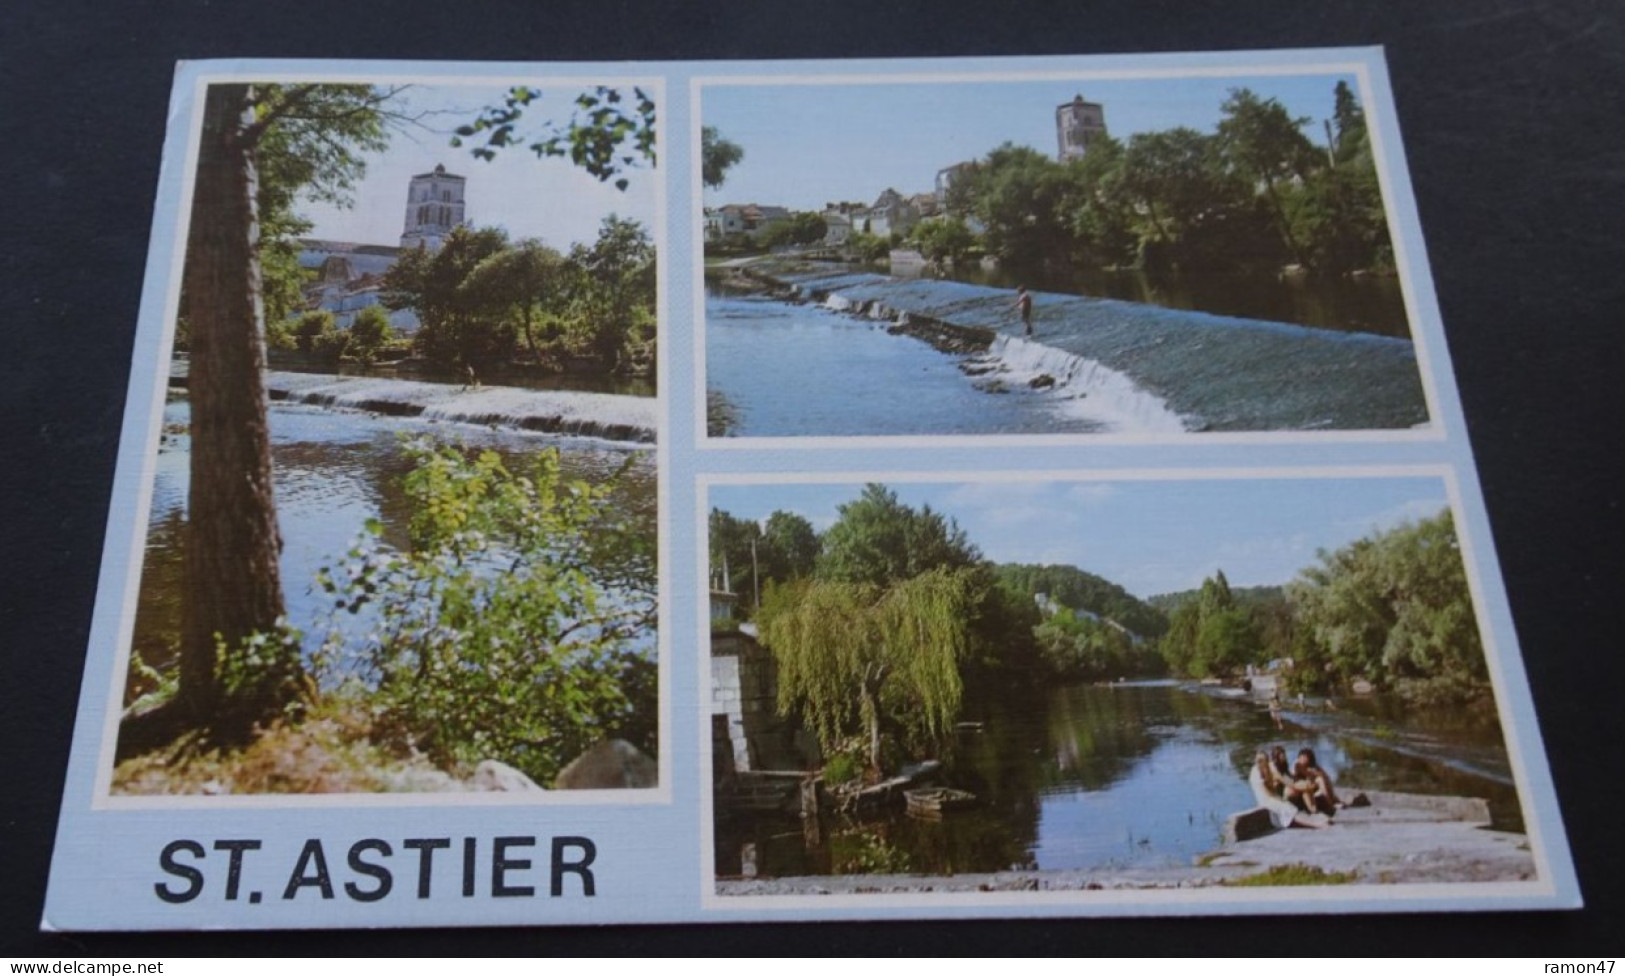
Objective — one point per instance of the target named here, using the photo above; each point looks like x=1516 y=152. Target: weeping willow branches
x=852 y=655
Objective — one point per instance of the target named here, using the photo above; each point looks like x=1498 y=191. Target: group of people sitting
x=1296 y=795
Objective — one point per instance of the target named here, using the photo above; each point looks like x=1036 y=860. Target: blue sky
x=1149 y=537
x=808 y=144
x=548 y=199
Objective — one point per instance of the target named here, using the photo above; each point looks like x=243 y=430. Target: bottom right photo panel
x=1104 y=684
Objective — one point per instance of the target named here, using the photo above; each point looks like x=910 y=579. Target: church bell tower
x=434 y=205
x=1078 y=124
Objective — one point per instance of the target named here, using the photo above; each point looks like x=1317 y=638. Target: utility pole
x=755 y=577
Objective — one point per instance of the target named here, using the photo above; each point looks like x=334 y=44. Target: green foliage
x=312 y=144
x=1252 y=194
x=717 y=156
x=1017 y=194
x=790 y=546
x=612 y=303
x=860 y=851
x=1395 y=609
x=1074 y=647
x=1261 y=142
x=511 y=627
x=1294 y=874
x=369 y=334
x=782 y=549
x=1076 y=589
x=947 y=239
x=608 y=134
x=528 y=282
x=877 y=540
x=316 y=335
x=1213 y=635
x=263 y=677
x=801 y=228
x=478 y=295
x=867 y=247
x=457 y=328
x=857 y=656
x=279 y=335
x=843 y=767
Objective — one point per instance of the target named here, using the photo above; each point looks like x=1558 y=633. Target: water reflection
x=332 y=471
x=1372 y=303
x=1132 y=775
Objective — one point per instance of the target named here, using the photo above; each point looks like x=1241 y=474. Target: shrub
x=512 y=627
x=369 y=334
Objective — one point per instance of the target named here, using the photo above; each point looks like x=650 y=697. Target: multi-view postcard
x=710 y=492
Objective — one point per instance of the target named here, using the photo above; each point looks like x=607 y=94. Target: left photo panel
x=399 y=518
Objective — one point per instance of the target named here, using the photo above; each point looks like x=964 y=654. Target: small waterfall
x=604 y=415
x=1084 y=386
x=1145 y=367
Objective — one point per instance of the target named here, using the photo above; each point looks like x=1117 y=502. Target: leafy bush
x=316 y=334
x=513 y=628
x=279 y=335
x=369 y=334
x=861 y=852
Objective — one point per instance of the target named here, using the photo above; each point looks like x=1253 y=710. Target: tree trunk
x=871 y=696
x=530 y=337
x=233 y=585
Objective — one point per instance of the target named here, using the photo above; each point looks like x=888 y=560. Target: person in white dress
x=1268 y=790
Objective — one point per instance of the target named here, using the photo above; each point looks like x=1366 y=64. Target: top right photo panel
x=1105 y=255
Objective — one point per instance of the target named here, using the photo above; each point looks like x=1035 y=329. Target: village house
x=348 y=276
x=890 y=213
x=734 y=222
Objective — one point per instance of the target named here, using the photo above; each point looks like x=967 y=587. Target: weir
x=603 y=415
x=1147 y=368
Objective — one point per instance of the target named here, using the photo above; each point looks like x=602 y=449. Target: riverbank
x=608 y=416
x=1393 y=841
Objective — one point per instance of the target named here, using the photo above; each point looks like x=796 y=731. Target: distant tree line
x=483 y=300
x=1392 y=609
x=884 y=623
x=1256 y=193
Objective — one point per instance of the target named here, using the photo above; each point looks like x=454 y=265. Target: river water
x=1132 y=775
x=1370 y=303
x=827 y=366
x=332 y=471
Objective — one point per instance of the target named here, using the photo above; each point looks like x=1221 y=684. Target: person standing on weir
x=1024 y=302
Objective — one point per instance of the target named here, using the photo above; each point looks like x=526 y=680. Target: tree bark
x=233 y=583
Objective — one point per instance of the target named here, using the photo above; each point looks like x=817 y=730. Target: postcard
x=584 y=493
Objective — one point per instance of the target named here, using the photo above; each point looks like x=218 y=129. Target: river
x=1369 y=303
x=1131 y=775
x=827 y=365
x=333 y=470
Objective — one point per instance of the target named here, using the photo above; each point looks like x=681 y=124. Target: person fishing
x=1024 y=303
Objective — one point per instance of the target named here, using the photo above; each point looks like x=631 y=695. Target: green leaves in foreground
x=519 y=625
x=608 y=133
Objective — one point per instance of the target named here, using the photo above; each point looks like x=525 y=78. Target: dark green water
x=1134 y=775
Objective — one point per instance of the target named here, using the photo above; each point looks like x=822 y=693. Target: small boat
x=934 y=801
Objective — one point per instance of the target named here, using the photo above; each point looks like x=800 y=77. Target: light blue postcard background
x=653 y=850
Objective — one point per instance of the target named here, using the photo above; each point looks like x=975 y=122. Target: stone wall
x=744 y=688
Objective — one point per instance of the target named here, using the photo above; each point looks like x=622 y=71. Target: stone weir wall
x=948 y=337
x=602 y=415
x=1214 y=372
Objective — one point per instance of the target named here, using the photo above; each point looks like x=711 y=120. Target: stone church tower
x=1077 y=125
x=434 y=205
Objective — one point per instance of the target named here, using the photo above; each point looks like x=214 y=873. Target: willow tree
x=851 y=654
